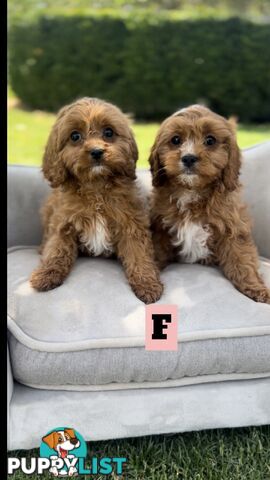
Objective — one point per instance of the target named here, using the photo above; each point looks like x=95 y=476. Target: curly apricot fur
x=207 y=194
x=94 y=208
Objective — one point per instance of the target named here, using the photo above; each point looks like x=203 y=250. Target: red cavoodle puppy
x=95 y=206
x=197 y=212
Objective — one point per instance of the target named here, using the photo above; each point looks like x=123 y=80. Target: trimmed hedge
x=148 y=68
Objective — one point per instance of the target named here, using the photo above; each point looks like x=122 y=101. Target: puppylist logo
x=63 y=453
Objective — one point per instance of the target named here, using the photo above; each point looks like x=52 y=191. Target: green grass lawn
x=232 y=454
x=28 y=132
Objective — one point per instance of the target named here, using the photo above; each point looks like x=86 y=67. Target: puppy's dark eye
x=108 y=132
x=210 y=140
x=75 y=136
x=176 y=140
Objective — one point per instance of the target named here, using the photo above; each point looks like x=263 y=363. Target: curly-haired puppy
x=95 y=205
x=197 y=214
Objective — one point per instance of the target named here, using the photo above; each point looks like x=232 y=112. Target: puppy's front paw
x=54 y=471
x=148 y=292
x=45 y=278
x=72 y=472
x=261 y=295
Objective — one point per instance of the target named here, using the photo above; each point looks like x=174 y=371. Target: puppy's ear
x=53 y=167
x=50 y=439
x=159 y=176
x=133 y=148
x=130 y=167
x=131 y=139
x=232 y=169
x=71 y=432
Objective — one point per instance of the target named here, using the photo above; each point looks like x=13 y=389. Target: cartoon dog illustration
x=62 y=441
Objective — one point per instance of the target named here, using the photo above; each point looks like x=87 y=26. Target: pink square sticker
x=161 y=327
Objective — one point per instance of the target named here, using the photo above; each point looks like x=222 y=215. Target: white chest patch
x=97 y=238
x=191 y=238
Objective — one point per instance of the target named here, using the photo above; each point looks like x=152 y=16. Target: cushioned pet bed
x=88 y=335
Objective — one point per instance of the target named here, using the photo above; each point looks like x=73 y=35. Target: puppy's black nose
x=73 y=441
x=189 y=160
x=96 y=153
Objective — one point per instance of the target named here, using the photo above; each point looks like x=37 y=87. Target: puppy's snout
x=96 y=153
x=189 y=160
